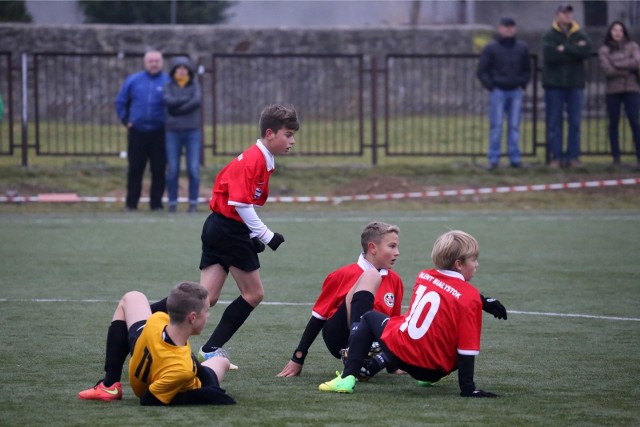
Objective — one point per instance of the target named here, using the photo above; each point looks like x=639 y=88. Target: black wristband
x=299 y=360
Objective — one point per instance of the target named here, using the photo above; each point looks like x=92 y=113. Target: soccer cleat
x=218 y=352
x=339 y=384
x=101 y=392
x=429 y=383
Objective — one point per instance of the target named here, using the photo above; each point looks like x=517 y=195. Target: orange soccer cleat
x=101 y=392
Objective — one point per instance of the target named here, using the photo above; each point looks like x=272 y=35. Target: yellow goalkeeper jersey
x=160 y=367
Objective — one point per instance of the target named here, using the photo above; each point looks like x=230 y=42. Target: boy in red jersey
x=162 y=369
x=233 y=234
x=339 y=304
x=441 y=331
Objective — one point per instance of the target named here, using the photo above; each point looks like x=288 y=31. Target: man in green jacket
x=565 y=47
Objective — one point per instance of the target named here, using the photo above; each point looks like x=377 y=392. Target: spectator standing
x=182 y=100
x=620 y=60
x=140 y=107
x=565 y=48
x=504 y=69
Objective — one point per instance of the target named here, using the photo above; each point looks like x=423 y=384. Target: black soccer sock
x=232 y=318
x=361 y=302
x=360 y=339
x=117 y=350
x=159 y=306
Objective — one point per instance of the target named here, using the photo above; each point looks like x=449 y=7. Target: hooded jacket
x=182 y=104
x=621 y=65
x=505 y=64
x=565 y=70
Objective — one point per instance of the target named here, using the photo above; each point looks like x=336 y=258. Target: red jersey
x=444 y=319
x=244 y=181
x=336 y=286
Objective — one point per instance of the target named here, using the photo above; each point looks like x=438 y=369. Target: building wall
x=530 y=15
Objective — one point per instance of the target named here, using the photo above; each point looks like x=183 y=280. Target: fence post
x=25 y=155
x=374 y=112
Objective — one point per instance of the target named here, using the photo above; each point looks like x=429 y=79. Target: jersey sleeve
x=173 y=381
x=242 y=184
x=471 y=329
x=328 y=300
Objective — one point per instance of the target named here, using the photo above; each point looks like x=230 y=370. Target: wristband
x=299 y=360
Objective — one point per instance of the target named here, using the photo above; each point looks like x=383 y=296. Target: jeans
x=143 y=146
x=191 y=140
x=631 y=101
x=501 y=102
x=556 y=101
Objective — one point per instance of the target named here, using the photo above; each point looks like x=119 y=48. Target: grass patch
x=63 y=273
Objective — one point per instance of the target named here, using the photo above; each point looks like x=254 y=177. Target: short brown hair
x=374 y=231
x=185 y=298
x=276 y=117
x=451 y=246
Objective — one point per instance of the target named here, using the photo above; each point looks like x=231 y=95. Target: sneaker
x=101 y=392
x=554 y=164
x=173 y=208
x=339 y=384
x=192 y=208
x=217 y=352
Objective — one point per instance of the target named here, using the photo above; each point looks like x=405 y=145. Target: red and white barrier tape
x=74 y=198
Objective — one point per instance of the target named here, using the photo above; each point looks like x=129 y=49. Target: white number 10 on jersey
x=419 y=303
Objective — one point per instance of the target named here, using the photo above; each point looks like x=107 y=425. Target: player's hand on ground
x=276 y=241
x=258 y=245
x=478 y=393
x=291 y=369
x=493 y=306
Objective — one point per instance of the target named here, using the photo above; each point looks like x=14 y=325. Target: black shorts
x=226 y=242
x=134 y=333
x=336 y=331
x=375 y=322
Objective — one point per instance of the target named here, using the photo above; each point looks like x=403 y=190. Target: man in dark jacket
x=140 y=108
x=565 y=47
x=504 y=69
x=182 y=99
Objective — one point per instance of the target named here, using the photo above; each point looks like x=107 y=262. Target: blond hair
x=451 y=246
x=374 y=232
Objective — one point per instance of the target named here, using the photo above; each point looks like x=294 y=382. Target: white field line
x=308 y=304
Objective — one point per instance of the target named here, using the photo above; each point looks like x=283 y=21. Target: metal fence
x=410 y=105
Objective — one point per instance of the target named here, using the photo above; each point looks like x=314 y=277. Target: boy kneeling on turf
x=441 y=331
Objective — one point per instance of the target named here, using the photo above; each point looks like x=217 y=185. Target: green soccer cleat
x=429 y=383
x=339 y=384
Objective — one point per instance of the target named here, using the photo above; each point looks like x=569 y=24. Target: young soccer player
x=339 y=304
x=162 y=369
x=441 y=330
x=233 y=234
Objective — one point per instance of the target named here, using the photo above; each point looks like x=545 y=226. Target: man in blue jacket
x=504 y=69
x=140 y=107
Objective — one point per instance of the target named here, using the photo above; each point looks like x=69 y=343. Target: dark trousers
x=631 y=101
x=143 y=147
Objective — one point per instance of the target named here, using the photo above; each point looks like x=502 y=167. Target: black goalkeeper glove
x=258 y=245
x=493 y=306
x=275 y=241
x=478 y=393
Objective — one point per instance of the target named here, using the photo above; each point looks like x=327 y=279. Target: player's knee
x=370 y=278
x=254 y=298
x=131 y=296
